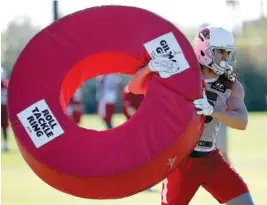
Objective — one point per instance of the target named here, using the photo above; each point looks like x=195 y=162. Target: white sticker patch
x=40 y=123
x=169 y=46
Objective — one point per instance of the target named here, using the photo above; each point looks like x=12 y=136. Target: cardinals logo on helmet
x=204 y=34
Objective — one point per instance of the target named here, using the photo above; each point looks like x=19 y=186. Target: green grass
x=247 y=150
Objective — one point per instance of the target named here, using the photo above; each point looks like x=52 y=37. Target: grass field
x=247 y=150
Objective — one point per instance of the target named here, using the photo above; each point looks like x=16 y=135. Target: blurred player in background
x=106 y=96
x=130 y=104
x=75 y=108
x=4 y=114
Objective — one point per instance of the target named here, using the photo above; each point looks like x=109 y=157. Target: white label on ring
x=40 y=123
x=167 y=45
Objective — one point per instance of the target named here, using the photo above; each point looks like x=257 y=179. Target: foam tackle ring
x=129 y=158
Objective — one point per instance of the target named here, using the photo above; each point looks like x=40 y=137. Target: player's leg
x=124 y=111
x=223 y=182
x=180 y=186
x=4 y=143
x=4 y=126
x=110 y=109
x=77 y=117
x=102 y=112
x=222 y=140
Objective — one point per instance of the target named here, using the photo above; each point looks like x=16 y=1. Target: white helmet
x=211 y=38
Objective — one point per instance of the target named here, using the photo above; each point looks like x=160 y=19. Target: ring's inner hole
x=74 y=89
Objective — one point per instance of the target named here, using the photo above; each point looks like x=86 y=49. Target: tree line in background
x=251 y=58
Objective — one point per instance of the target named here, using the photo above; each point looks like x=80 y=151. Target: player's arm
x=236 y=115
x=138 y=83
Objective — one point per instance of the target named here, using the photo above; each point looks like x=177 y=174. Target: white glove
x=205 y=108
x=164 y=66
x=165 y=74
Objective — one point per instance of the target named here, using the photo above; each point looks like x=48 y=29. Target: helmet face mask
x=215 y=49
x=218 y=64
